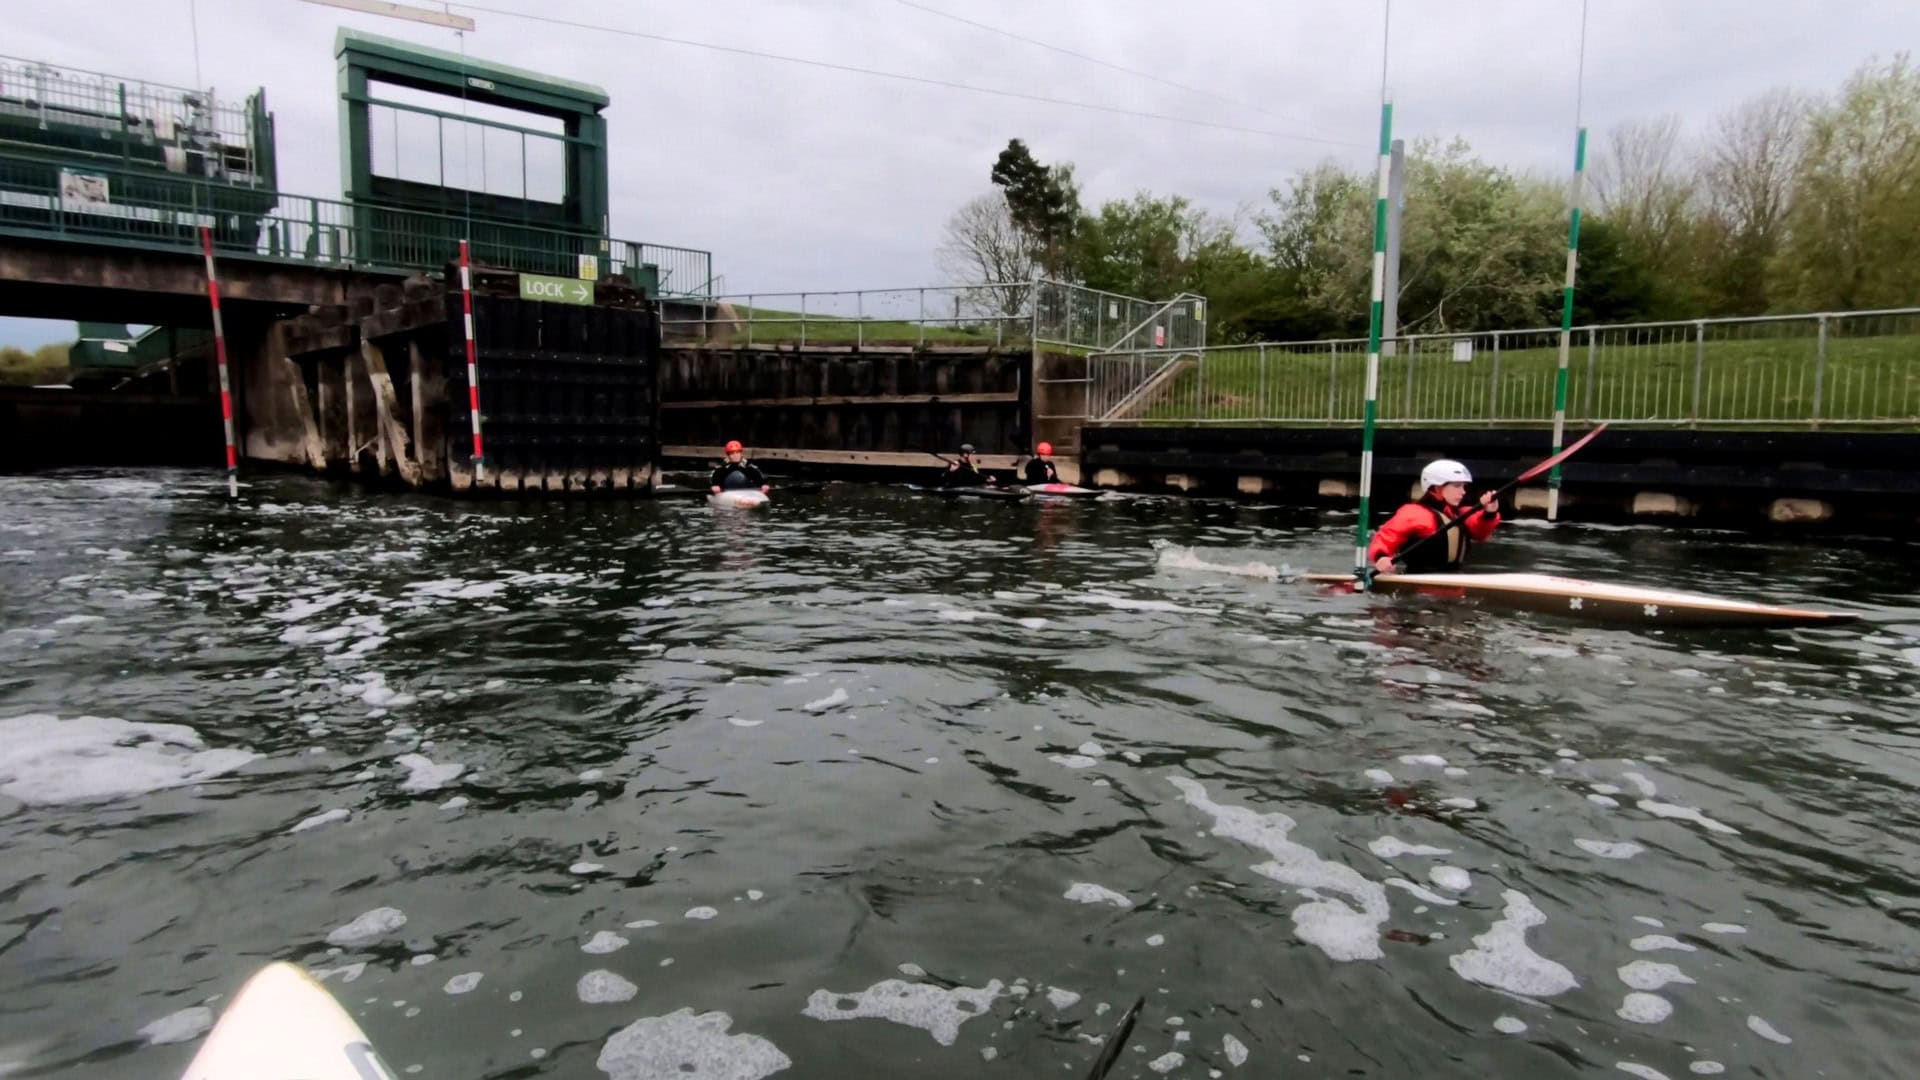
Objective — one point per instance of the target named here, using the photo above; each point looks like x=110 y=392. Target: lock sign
x=555 y=290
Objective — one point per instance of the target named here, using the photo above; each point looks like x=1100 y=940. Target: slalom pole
x=220 y=359
x=1566 y=323
x=1362 y=570
x=473 y=362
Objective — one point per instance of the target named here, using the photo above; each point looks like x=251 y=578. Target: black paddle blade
x=1111 y=1052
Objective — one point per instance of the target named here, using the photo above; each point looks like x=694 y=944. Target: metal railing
x=1857 y=368
x=149 y=210
x=129 y=112
x=1040 y=312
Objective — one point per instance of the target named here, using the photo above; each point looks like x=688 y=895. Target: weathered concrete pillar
x=363 y=419
x=334 y=439
x=392 y=435
x=1535 y=498
x=1339 y=489
x=1799 y=511
x=1662 y=504
x=429 y=412
x=271 y=426
x=1111 y=478
x=1252 y=485
x=1182 y=481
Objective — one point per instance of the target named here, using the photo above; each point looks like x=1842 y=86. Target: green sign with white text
x=555 y=290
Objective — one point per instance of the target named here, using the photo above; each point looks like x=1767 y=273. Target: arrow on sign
x=581 y=293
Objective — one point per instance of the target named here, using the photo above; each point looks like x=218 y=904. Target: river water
x=870 y=784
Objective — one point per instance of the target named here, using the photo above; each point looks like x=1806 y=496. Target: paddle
x=1104 y=1063
x=1367 y=571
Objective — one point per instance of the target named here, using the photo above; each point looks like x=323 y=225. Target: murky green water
x=878 y=737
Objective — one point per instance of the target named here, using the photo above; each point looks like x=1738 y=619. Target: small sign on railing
x=1463 y=351
x=589 y=268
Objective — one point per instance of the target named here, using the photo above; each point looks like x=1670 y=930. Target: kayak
x=743 y=498
x=284 y=1025
x=1063 y=491
x=1594 y=600
x=1002 y=493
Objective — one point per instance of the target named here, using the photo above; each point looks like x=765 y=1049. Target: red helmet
x=1045 y=449
x=734 y=447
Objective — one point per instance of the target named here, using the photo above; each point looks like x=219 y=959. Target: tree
x=1138 y=246
x=1646 y=187
x=1044 y=202
x=1749 y=170
x=47 y=364
x=983 y=246
x=1855 y=213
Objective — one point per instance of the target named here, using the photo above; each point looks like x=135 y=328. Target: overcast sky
x=799 y=177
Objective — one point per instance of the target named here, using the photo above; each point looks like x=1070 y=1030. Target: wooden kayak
x=285 y=1026
x=1594 y=600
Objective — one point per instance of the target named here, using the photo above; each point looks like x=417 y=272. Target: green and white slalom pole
x=1566 y=321
x=1363 y=570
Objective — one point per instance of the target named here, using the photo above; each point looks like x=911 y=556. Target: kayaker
x=1445 y=482
x=965 y=472
x=737 y=472
x=1040 y=470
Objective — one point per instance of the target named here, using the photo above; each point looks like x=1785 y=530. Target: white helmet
x=1444 y=471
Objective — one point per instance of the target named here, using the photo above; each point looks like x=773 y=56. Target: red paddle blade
x=1559 y=457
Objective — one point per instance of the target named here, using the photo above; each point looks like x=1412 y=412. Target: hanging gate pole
x=1375 y=311
x=220 y=359
x=473 y=363
x=1566 y=322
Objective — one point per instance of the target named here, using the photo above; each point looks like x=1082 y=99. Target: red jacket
x=1415 y=521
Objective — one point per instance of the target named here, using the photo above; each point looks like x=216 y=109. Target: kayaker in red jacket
x=1446 y=483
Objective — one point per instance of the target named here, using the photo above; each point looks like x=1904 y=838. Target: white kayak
x=1063 y=491
x=740 y=497
x=283 y=1025
x=1594 y=599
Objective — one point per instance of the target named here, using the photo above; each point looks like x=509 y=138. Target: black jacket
x=1042 y=472
x=744 y=475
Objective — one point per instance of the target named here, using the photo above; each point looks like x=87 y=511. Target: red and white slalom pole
x=220 y=357
x=473 y=363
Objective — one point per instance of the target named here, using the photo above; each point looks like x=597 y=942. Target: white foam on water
x=1640 y=1008
x=1706 y=1068
x=1156 y=940
x=603 y=942
x=457 y=589
x=1686 y=813
x=1461 y=802
x=1606 y=789
x=912 y=970
x=1422 y=892
x=1450 y=877
x=685 y=1046
x=701 y=913
x=957 y=615
x=463 y=983
x=1061 y=999
x=1471 y=708
x=938 y=1012
x=1167 y=1062
x=1129 y=603
x=1640 y=784
x=1657 y=942
x=458 y=802
x=1509 y=1025
x=368 y=926
x=424 y=775
x=1434 y=760
x=325 y=817
x=1379 y=776
x=48 y=761
x=1342 y=931
x=1086 y=892
x=1652 y=975
x=300 y=609
x=184 y=1026
x=1173 y=557
x=1609 y=849
x=78 y=620
x=1644 y=1072
x=603 y=987
x=1603 y=800
x=585 y=868
x=642 y=924
x=1034 y=623
x=1073 y=761
x=754 y=894
x=591 y=775
x=1723 y=928
x=737 y=721
x=1502 y=959
x=838 y=697
x=1767 y=1031
x=1390 y=847
x=423 y=959
x=1454 y=771
x=347 y=972
x=1235 y=1050
x=1091 y=749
